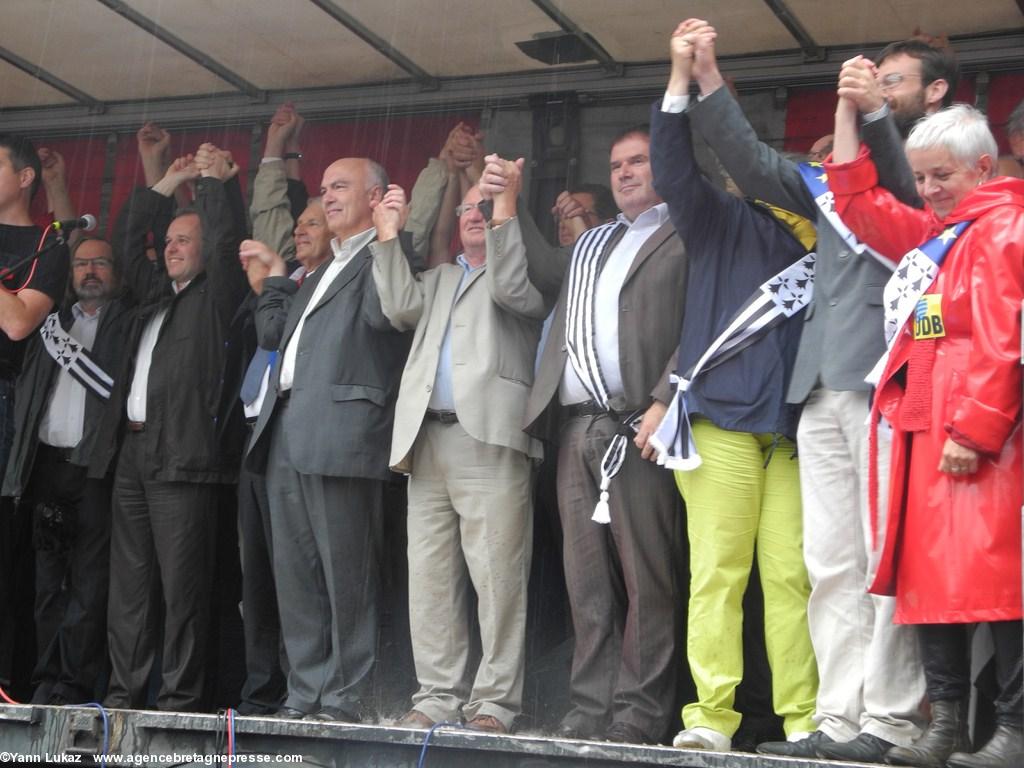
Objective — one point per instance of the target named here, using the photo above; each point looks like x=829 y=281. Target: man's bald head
x=348 y=191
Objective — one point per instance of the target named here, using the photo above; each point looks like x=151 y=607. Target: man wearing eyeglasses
x=912 y=78
x=60 y=399
x=458 y=435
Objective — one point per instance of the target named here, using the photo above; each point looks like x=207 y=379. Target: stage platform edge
x=74 y=735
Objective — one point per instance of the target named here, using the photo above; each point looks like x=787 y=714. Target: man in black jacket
x=170 y=463
x=61 y=396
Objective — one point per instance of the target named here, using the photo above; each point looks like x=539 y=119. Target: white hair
x=376 y=176
x=961 y=129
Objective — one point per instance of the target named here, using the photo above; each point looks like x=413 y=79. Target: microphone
x=85 y=222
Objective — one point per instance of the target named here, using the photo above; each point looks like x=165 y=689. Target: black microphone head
x=87 y=222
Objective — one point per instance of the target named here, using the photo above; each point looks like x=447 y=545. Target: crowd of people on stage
x=816 y=363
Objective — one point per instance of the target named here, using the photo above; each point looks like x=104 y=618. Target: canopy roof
x=86 y=65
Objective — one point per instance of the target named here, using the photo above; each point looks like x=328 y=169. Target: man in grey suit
x=621 y=576
x=871 y=682
x=322 y=439
x=458 y=433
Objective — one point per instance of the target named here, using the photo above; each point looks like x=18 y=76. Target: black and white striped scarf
x=581 y=311
x=581 y=308
x=73 y=357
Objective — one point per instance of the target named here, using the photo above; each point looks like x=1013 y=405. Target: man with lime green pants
x=746 y=491
x=729 y=431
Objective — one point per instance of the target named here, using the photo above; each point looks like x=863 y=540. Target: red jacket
x=952 y=543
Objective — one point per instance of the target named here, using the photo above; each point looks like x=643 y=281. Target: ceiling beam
x=34 y=70
x=639 y=82
x=424 y=79
x=164 y=35
x=605 y=59
x=812 y=51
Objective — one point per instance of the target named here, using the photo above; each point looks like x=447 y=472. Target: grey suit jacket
x=650 y=319
x=842 y=336
x=341 y=403
x=495 y=325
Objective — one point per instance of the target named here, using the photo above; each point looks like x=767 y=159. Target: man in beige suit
x=458 y=433
x=606 y=361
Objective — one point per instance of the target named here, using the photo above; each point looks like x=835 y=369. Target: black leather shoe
x=624 y=733
x=290 y=713
x=1004 y=750
x=866 y=748
x=805 y=747
x=334 y=715
x=945 y=734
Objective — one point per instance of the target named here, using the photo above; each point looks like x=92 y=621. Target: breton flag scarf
x=588 y=258
x=914 y=275
x=775 y=301
x=74 y=358
x=816 y=180
x=902 y=296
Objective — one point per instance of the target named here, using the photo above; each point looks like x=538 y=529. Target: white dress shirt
x=606 y=318
x=64 y=417
x=144 y=360
x=343 y=253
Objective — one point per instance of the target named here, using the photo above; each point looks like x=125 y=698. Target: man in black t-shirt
x=27 y=294
x=29 y=291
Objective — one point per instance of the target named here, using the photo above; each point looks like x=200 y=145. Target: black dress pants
x=71 y=577
x=945 y=652
x=265 y=686
x=161 y=545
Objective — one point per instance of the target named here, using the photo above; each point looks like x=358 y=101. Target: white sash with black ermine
x=913 y=277
x=775 y=301
x=73 y=357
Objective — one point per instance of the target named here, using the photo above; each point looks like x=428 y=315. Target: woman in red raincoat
x=951 y=392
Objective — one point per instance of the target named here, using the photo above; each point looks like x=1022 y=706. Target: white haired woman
x=950 y=388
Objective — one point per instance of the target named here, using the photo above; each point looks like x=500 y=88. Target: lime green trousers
x=745 y=497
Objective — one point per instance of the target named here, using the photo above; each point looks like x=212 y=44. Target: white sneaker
x=702 y=738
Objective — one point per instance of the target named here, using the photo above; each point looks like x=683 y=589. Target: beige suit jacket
x=650 y=320
x=495 y=326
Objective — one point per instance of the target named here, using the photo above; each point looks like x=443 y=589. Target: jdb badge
x=928 y=317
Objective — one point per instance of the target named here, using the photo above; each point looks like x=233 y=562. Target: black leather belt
x=445 y=417
x=586 y=408
x=52 y=454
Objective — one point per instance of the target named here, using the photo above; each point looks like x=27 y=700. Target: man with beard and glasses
x=912 y=78
x=60 y=398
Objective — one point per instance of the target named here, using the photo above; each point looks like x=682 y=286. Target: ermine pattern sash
x=913 y=277
x=74 y=358
x=775 y=301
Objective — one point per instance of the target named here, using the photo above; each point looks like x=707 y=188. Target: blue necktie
x=260 y=362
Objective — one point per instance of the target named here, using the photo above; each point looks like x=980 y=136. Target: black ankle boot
x=1004 y=750
x=945 y=734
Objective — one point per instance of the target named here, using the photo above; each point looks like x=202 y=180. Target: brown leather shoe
x=486 y=724
x=415 y=719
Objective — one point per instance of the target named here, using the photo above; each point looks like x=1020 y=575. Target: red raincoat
x=952 y=543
